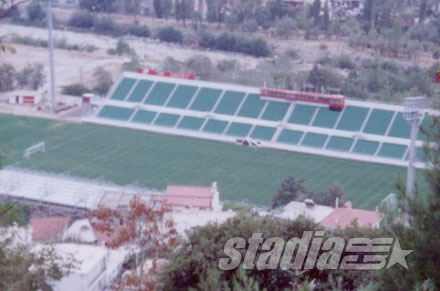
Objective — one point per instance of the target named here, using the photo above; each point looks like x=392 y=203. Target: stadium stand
x=364 y=131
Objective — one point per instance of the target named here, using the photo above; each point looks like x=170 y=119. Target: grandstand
x=364 y=131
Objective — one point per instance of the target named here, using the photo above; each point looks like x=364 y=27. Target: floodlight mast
x=413 y=113
x=50 y=47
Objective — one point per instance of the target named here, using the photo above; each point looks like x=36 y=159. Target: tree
x=82 y=19
x=162 y=8
x=200 y=65
x=103 y=81
x=315 y=10
x=421 y=235
x=290 y=190
x=146 y=224
x=325 y=21
x=184 y=10
x=423 y=10
x=329 y=197
x=31 y=76
x=7 y=77
x=285 y=27
x=35 y=12
x=97 y=5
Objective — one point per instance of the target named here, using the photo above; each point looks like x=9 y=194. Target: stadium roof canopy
x=60 y=190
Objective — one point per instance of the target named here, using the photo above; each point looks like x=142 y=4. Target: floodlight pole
x=413 y=114
x=50 y=47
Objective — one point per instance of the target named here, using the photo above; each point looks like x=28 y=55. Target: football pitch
x=154 y=161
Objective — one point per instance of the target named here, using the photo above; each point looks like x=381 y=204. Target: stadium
x=153 y=130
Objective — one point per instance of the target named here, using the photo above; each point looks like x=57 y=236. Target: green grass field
x=152 y=160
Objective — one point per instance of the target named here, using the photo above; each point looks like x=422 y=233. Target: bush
x=7 y=76
x=436 y=55
x=345 y=62
x=82 y=19
x=103 y=81
x=105 y=25
x=232 y=43
x=139 y=30
x=35 y=12
x=250 y=25
x=31 y=76
x=75 y=90
x=122 y=47
x=169 y=34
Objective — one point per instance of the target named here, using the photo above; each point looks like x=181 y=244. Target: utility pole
x=50 y=47
x=413 y=113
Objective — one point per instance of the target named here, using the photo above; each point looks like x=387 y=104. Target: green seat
x=365 y=147
x=353 y=118
x=400 y=127
x=252 y=106
x=144 y=116
x=341 y=144
x=263 y=132
x=160 y=93
x=114 y=112
x=326 y=118
x=290 y=136
x=182 y=97
x=140 y=91
x=390 y=150
x=206 y=99
x=239 y=129
x=302 y=114
x=192 y=123
x=123 y=89
x=230 y=102
x=215 y=126
x=379 y=121
x=167 y=120
x=275 y=111
x=314 y=140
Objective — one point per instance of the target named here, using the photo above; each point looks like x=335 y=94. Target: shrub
x=7 y=76
x=82 y=19
x=139 y=30
x=436 y=55
x=250 y=25
x=103 y=81
x=35 y=12
x=75 y=90
x=345 y=62
x=122 y=47
x=106 y=25
x=169 y=34
x=31 y=76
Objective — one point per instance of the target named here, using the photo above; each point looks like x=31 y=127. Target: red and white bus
x=335 y=102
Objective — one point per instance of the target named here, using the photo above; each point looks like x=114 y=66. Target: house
x=95 y=267
x=344 y=216
x=180 y=197
x=48 y=229
x=307 y=208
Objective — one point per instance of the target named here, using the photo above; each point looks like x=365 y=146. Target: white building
x=95 y=267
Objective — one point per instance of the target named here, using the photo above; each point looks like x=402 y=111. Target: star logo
x=398 y=256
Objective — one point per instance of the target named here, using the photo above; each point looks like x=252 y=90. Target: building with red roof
x=186 y=197
x=344 y=216
x=48 y=228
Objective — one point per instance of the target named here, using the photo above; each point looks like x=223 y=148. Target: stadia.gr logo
x=311 y=251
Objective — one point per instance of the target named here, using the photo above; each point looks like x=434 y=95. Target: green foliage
x=106 y=25
x=97 y=5
x=233 y=43
x=169 y=34
x=31 y=77
x=422 y=235
x=139 y=30
x=82 y=19
x=7 y=77
x=35 y=12
x=103 y=81
x=162 y=8
x=290 y=190
x=329 y=197
x=75 y=90
x=324 y=78
x=200 y=65
x=284 y=27
x=13 y=213
x=122 y=47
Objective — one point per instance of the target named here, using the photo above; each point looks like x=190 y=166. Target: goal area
x=39 y=147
